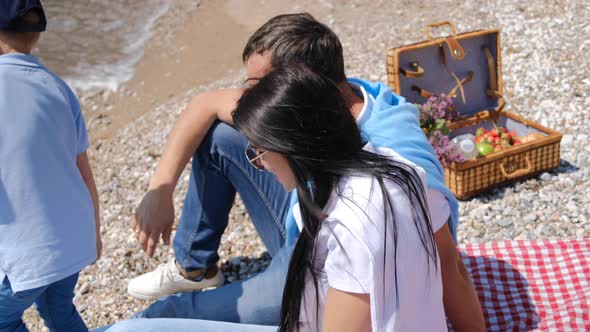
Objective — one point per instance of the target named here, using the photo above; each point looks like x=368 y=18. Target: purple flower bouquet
x=434 y=114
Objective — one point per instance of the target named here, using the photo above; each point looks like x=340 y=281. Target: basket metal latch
x=415 y=70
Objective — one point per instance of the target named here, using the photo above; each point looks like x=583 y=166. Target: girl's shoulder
x=358 y=204
x=365 y=189
x=393 y=155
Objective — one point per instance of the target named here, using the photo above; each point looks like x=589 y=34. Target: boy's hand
x=155 y=215
x=154 y=218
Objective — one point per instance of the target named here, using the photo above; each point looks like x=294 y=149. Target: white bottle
x=466 y=146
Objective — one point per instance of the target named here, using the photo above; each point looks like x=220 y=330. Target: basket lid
x=437 y=67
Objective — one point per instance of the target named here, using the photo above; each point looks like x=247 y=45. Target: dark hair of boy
x=299 y=38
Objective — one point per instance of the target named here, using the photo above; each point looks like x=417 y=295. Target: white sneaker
x=166 y=280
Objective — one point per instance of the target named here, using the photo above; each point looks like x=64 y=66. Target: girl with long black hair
x=366 y=257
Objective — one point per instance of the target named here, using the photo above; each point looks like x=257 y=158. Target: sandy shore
x=196 y=49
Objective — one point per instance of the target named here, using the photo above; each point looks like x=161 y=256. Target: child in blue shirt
x=49 y=214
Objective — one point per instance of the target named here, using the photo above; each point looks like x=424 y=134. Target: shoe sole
x=141 y=296
x=151 y=298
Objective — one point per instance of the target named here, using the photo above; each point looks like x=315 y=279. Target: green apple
x=484 y=148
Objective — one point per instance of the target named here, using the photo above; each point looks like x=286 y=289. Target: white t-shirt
x=440 y=211
x=355 y=254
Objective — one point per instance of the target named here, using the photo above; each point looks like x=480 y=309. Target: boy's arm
x=86 y=172
x=155 y=215
x=460 y=299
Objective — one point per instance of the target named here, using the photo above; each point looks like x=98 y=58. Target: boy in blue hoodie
x=49 y=219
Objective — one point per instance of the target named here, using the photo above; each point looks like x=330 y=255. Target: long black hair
x=303 y=116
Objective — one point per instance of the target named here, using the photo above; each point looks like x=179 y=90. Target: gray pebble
x=546 y=177
x=504 y=222
x=84 y=288
x=530 y=217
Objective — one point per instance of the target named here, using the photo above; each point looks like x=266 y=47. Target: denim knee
x=224 y=139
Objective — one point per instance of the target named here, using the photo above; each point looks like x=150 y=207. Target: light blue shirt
x=47 y=228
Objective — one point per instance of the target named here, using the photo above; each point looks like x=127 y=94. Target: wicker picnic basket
x=467 y=67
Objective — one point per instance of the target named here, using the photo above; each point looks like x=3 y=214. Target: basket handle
x=428 y=27
x=451 y=41
x=518 y=172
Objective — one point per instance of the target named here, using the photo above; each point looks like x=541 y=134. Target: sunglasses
x=255 y=157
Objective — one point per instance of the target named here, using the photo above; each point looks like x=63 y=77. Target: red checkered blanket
x=532 y=285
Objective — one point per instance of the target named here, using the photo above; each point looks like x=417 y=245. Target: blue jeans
x=220 y=168
x=54 y=303
x=250 y=305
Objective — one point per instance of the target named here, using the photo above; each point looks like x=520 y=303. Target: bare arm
x=86 y=172
x=345 y=311
x=460 y=299
x=189 y=131
x=155 y=215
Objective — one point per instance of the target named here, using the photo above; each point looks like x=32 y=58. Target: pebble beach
x=546 y=72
